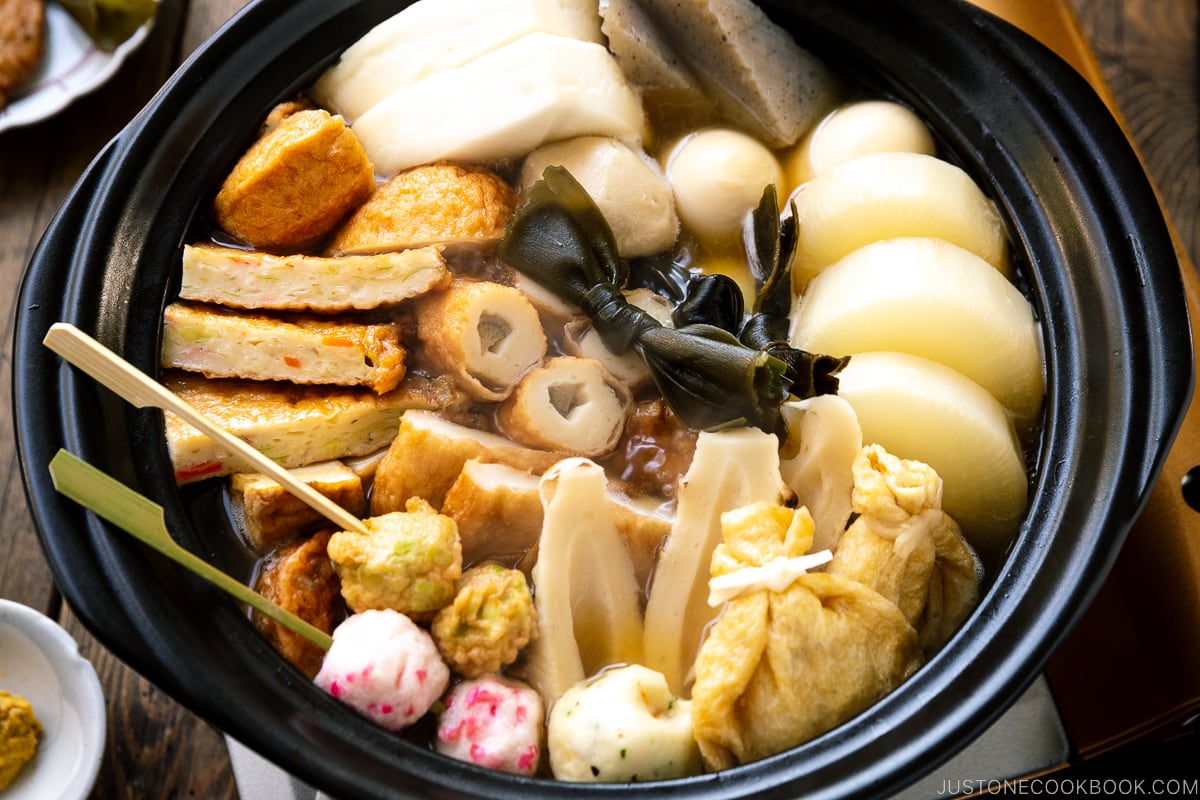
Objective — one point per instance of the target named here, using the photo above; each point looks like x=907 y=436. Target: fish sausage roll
x=572 y=405
x=486 y=335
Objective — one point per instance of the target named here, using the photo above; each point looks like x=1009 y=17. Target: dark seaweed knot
x=709 y=375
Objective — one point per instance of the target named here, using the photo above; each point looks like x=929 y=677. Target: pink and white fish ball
x=493 y=722
x=385 y=667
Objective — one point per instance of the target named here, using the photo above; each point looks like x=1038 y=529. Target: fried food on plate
x=22 y=42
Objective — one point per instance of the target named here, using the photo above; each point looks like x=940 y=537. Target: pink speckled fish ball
x=493 y=722
x=385 y=667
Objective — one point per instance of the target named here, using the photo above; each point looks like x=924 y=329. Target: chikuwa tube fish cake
x=486 y=335
x=572 y=405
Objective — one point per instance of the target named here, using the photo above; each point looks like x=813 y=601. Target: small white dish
x=41 y=662
x=71 y=67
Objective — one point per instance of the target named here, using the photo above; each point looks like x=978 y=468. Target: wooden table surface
x=155 y=748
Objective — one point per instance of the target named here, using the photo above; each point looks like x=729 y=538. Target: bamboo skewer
x=142 y=518
x=137 y=388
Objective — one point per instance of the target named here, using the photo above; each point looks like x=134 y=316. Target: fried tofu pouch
x=904 y=546
x=296 y=183
x=782 y=666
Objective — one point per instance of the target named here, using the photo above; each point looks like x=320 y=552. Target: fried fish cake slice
x=298 y=282
x=294 y=425
x=22 y=43
x=225 y=343
x=300 y=578
x=443 y=203
x=296 y=183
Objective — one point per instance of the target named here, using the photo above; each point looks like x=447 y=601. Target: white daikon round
x=889 y=195
x=920 y=409
x=929 y=298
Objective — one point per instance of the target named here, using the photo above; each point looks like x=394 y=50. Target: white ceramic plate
x=40 y=662
x=71 y=67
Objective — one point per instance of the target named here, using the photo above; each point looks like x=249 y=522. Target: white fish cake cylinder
x=571 y=405
x=486 y=335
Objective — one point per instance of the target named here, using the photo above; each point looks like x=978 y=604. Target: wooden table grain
x=156 y=749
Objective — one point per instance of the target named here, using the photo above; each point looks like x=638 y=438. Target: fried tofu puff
x=22 y=43
x=300 y=578
x=296 y=183
x=491 y=619
x=431 y=204
x=409 y=561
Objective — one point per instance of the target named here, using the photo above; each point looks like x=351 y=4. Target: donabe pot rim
x=1104 y=280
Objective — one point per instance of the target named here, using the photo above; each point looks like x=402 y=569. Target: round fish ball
x=384 y=666
x=623 y=726
x=493 y=722
x=719 y=176
x=858 y=129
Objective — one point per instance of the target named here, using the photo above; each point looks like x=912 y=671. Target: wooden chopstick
x=137 y=388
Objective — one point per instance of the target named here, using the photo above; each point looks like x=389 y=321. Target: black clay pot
x=1101 y=273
